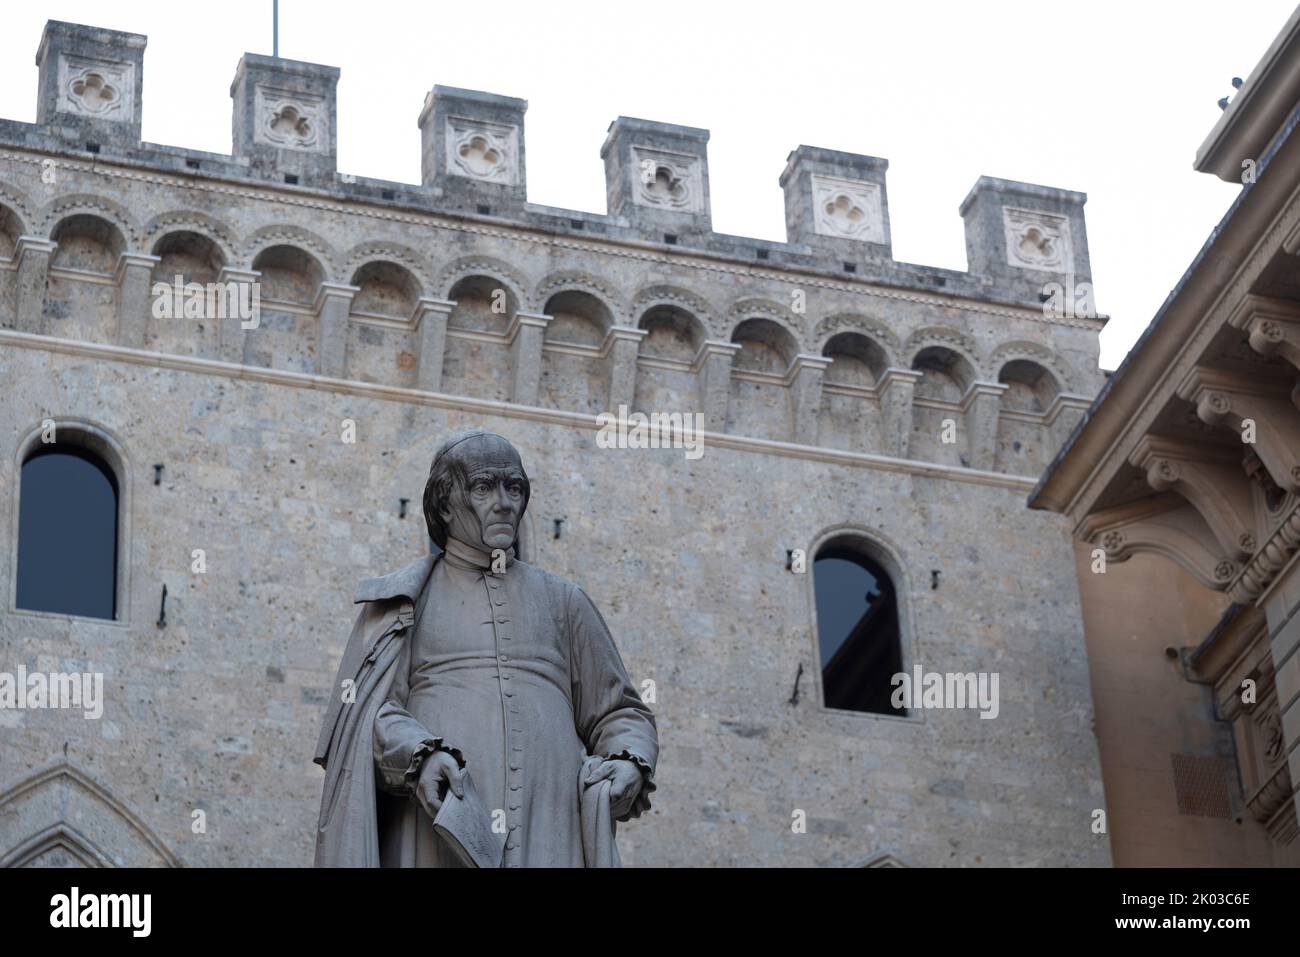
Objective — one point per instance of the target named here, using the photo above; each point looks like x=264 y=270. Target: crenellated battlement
x=473 y=164
x=458 y=285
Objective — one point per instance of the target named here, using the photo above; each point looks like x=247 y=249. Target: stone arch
x=766 y=345
x=856 y=359
x=89 y=204
x=280 y=234
x=575 y=281
x=882 y=860
x=194 y=256
x=499 y=271
x=577 y=316
x=675 y=297
x=1031 y=386
x=20 y=204
x=873 y=329
x=385 y=251
x=675 y=332
x=64 y=813
x=1066 y=377
x=87 y=242
x=948 y=360
x=11 y=228
x=884 y=552
x=290 y=273
x=216 y=231
x=755 y=307
x=386 y=288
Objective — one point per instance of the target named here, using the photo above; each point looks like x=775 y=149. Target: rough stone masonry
x=842 y=392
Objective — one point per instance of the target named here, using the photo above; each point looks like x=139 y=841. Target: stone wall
x=910 y=404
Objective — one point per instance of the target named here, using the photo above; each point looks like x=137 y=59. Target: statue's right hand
x=438 y=772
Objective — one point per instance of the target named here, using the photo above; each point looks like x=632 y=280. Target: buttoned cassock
x=517 y=676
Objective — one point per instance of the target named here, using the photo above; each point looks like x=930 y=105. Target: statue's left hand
x=627 y=782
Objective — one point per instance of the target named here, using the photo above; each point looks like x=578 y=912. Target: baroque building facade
x=1183 y=482
x=851 y=403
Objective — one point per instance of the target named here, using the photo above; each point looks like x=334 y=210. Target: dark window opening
x=484 y=210
x=670 y=239
x=857 y=631
x=67 y=533
x=291 y=179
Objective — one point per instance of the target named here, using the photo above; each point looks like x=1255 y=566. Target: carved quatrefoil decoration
x=666 y=179
x=92 y=92
x=478 y=149
x=663 y=186
x=847 y=209
x=844 y=214
x=291 y=119
x=288 y=124
x=1037 y=240
x=479 y=156
x=1035 y=246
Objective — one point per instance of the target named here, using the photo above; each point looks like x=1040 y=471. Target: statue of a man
x=459 y=662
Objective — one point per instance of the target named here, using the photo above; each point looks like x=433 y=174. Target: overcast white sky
x=1110 y=98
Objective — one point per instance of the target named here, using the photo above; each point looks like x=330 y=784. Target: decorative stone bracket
x=1165 y=525
x=1261 y=406
x=1212 y=481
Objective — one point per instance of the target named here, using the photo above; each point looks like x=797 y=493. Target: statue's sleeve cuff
x=427 y=747
x=642 y=802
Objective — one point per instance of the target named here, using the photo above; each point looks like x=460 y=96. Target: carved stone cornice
x=1259 y=572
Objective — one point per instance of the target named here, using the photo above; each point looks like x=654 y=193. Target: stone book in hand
x=466 y=825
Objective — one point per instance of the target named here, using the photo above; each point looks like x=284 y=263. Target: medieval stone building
x=858 y=410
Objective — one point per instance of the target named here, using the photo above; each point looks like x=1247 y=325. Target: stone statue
x=470 y=665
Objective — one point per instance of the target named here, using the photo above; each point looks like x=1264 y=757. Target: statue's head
x=477 y=491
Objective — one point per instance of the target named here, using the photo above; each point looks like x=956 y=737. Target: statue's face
x=486 y=512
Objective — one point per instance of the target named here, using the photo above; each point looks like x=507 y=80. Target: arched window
x=857 y=629
x=67 y=533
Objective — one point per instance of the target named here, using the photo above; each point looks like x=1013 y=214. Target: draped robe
x=516 y=675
